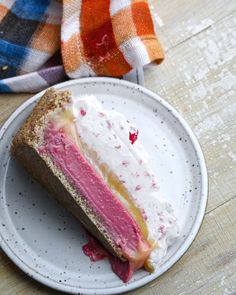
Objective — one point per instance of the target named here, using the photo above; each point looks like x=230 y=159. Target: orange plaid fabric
x=107 y=37
x=97 y=37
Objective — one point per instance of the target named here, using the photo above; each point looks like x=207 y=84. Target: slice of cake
x=91 y=160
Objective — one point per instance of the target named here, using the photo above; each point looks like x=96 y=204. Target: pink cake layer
x=116 y=219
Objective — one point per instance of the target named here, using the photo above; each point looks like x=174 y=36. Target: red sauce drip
x=122 y=269
x=96 y=252
x=82 y=112
x=133 y=136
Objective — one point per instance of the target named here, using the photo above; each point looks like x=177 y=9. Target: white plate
x=45 y=241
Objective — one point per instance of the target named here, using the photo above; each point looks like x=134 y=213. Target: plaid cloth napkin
x=44 y=42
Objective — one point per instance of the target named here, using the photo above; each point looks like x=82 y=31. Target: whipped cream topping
x=108 y=134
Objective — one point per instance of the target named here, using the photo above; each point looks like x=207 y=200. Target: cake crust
x=24 y=149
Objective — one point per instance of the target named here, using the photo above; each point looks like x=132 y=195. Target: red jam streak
x=96 y=252
x=82 y=112
x=133 y=136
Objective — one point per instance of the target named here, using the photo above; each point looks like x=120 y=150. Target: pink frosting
x=115 y=217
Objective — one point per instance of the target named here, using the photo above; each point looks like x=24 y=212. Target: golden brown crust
x=25 y=149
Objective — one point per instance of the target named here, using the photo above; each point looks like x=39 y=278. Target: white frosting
x=107 y=133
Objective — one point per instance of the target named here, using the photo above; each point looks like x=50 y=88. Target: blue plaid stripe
x=11 y=57
x=32 y=10
x=17 y=28
x=4 y=87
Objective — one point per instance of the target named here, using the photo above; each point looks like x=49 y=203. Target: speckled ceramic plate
x=45 y=241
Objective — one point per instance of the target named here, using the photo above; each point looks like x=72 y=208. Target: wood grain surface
x=198 y=77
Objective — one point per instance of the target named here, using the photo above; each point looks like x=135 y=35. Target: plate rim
x=198 y=220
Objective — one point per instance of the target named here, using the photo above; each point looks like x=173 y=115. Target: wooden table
x=198 y=78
